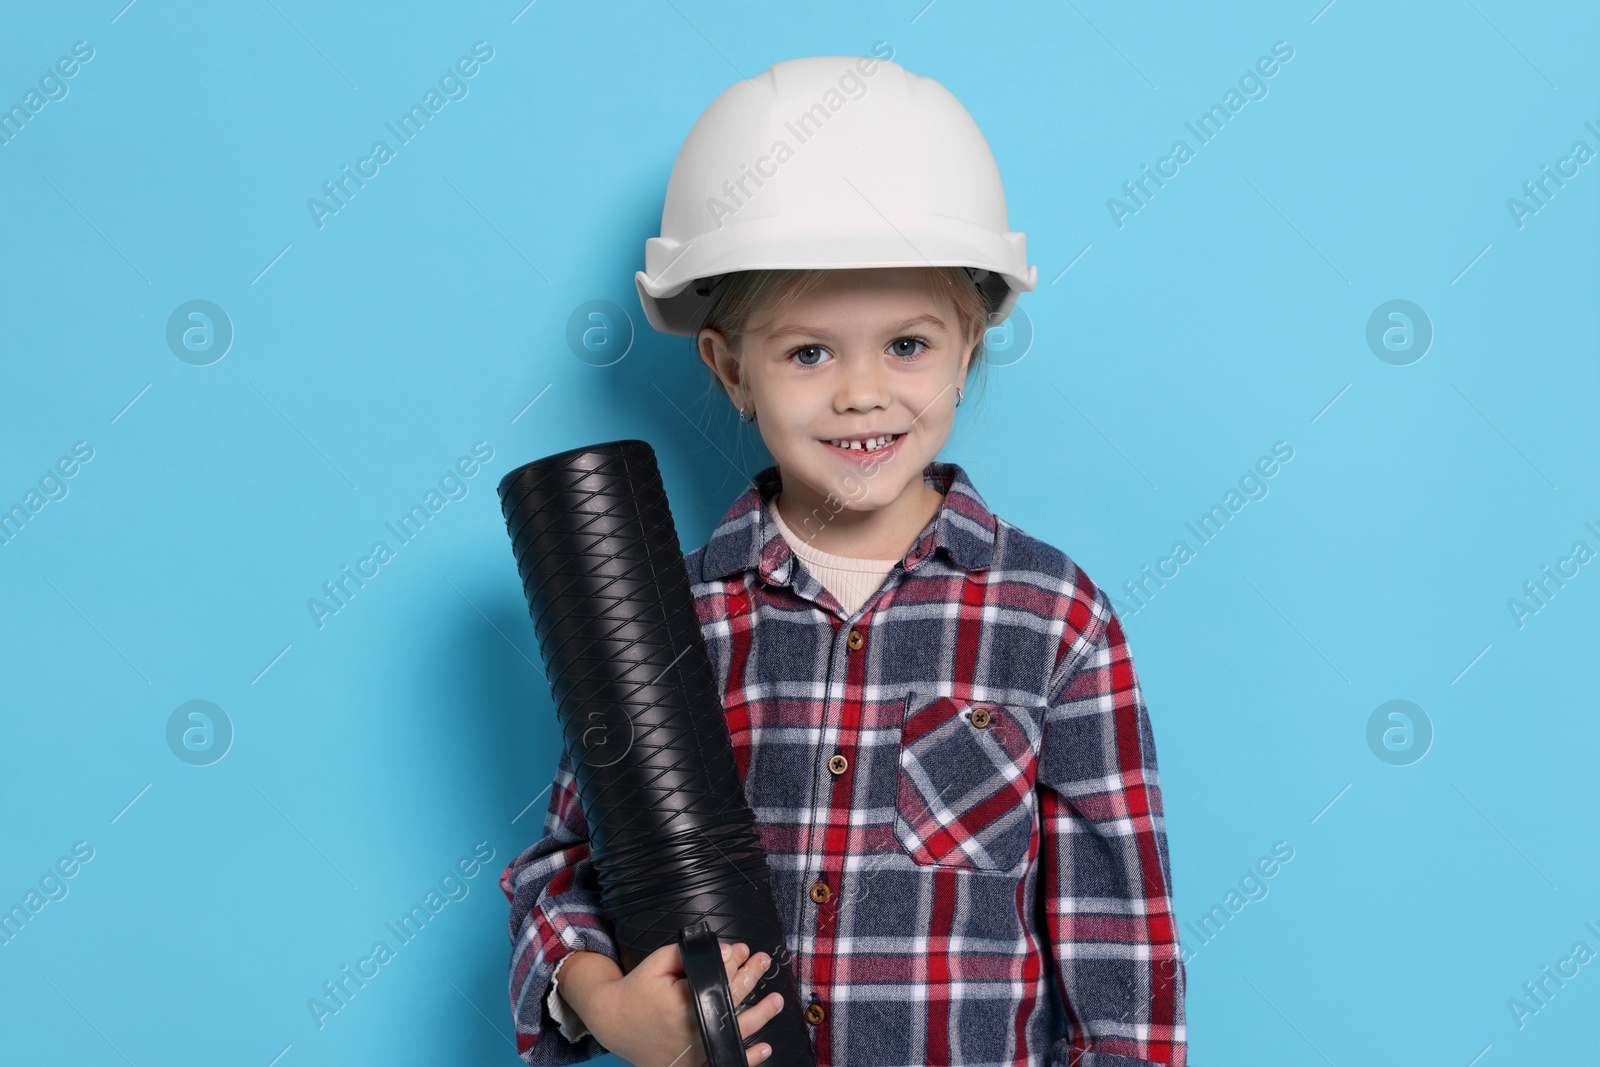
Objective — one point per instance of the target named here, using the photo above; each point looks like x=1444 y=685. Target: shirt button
x=855 y=640
x=838 y=764
x=815 y=1014
x=819 y=892
x=980 y=717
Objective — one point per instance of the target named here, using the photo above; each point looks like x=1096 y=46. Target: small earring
x=958 y=396
x=747 y=418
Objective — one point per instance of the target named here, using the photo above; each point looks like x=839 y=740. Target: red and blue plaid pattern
x=992 y=842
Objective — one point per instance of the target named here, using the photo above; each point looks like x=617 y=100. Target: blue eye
x=804 y=349
x=907 y=340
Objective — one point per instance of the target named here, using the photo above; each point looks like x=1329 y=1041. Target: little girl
x=934 y=713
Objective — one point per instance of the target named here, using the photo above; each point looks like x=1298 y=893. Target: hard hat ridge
x=830 y=162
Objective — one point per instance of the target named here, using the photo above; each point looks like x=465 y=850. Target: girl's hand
x=647 y=1016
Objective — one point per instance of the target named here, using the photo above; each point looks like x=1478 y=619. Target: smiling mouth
x=869 y=445
x=884 y=445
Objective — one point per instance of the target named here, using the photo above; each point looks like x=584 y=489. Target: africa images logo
x=1205 y=128
x=452 y=86
x=803 y=127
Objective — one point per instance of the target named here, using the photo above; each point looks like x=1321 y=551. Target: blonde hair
x=742 y=294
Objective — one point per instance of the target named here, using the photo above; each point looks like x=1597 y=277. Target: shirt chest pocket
x=965 y=795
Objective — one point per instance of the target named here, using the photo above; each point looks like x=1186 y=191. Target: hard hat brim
x=673 y=305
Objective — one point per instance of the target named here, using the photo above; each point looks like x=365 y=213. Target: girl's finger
x=734 y=957
x=760 y=1013
x=748 y=975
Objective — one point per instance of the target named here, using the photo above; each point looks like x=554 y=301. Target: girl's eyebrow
x=932 y=321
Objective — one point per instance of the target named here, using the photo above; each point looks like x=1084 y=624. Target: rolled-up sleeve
x=555 y=911
x=1105 y=883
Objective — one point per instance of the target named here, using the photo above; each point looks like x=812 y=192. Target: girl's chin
x=843 y=488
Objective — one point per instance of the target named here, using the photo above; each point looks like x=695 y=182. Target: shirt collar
x=748 y=539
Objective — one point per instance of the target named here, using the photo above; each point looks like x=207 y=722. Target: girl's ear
x=973 y=338
x=712 y=345
x=709 y=343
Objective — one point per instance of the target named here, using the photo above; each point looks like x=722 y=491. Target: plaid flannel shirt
x=963 y=772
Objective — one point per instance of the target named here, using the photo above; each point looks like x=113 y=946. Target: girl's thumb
x=666 y=959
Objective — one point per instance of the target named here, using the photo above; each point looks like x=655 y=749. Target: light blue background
x=1229 y=313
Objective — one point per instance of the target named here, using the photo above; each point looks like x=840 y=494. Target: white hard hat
x=830 y=162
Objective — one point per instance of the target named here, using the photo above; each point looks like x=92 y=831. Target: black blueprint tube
x=672 y=836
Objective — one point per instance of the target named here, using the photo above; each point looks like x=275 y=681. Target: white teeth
x=871 y=444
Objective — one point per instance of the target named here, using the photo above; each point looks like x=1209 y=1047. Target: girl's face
x=867 y=353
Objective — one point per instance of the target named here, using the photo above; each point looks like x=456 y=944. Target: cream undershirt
x=572 y=1028
x=851 y=581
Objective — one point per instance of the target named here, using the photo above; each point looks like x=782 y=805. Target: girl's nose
x=862 y=387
